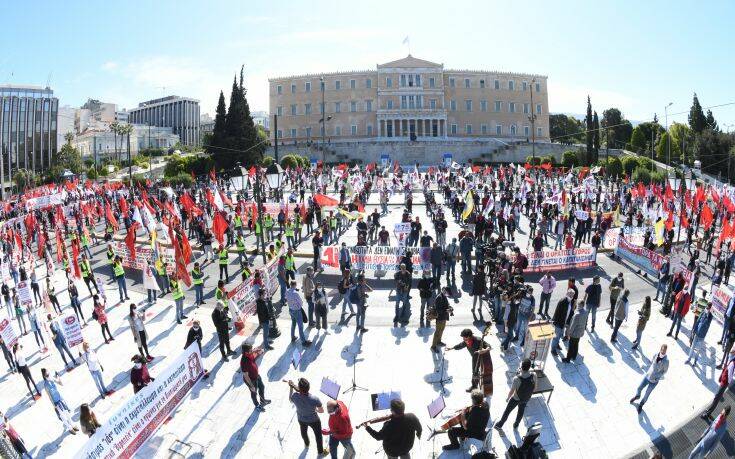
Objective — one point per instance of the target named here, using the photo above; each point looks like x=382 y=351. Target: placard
x=24 y=293
x=378 y=258
x=721 y=297
x=554 y=260
x=70 y=329
x=401 y=231
x=143 y=413
x=7 y=331
x=143 y=253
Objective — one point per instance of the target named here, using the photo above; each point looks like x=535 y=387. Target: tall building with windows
x=410 y=99
x=28 y=124
x=179 y=113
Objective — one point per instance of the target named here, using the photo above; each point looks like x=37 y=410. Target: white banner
x=379 y=258
x=44 y=201
x=8 y=332
x=139 y=418
x=401 y=230
x=24 y=293
x=143 y=253
x=70 y=329
x=553 y=260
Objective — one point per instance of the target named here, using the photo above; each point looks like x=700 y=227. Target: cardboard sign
x=143 y=253
x=378 y=258
x=24 y=293
x=8 y=332
x=70 y=329
x=554 y=260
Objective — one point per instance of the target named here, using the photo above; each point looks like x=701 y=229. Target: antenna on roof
x=48 y=80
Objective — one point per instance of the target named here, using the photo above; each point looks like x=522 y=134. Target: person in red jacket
x=340 y=429
x=139 y=376
x=681 y=307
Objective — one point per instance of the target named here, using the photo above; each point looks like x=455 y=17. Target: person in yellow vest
x=197 y=279
x=278 y=244
x=86 y=268
x=290 y=265
x=241 y=255
x=238 y=224
x=85 y=244
x=246 y=272
x=119 y=271
x=220 y=294
x=271 y=253
x=178 y=296
x=223 y=261
x=290 y=233
x=268 y=222
x=108 y=232
x=110 y=259
x=332 y=228
x=297 y=228
x=162 y=276
x=258 y=230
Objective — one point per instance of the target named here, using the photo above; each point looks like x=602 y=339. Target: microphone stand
x=354 y=387
x=442 y=379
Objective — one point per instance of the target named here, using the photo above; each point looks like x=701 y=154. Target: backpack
x=354 y=296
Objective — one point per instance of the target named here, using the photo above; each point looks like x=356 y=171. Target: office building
x=179 y=113
x=98 y=144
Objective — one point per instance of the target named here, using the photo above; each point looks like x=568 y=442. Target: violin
x=451 y=422
x=376 y=420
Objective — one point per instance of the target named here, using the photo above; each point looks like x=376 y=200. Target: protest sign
x=721 y=297
x=242 y=298
x=143 y=253
x=24 y=293
x=70 y=329
x=642 y=257
x=581 y=215
x=553 y=260
x=378 y=258
x=8 y=332
x=401 y=230
x=634 y=234
x=139 y=418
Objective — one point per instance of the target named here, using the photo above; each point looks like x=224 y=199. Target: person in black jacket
x=264 y=317
x=561 y=318
x=472 y=423
x=473 y=344
x=195 y=334
x=219 y=318
x=442 y=308
x=426 y=286
x=397 y=433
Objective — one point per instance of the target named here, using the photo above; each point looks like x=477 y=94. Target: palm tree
x=126 y=130
x=115 y=128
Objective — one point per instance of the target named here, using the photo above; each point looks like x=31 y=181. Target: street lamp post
x=532 y=118
x=324 y=116
x=668 y=136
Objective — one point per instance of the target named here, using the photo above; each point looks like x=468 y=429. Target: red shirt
x=340 y=426
x=248 y=365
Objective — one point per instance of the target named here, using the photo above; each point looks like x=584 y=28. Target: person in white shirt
x=95 y=368
x=548 y=283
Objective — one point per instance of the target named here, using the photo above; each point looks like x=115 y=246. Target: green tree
x=637 y=141
x=681 y=136
x=218 y=132
x=589 y=129
x=711 y=123
x=663 y=146
x=620 y=128
x=23 y=178
x=629 y=164
x=711 y=148
x=290 y=161
x=697 y=120
x=565 y=129
x=569 y=159
x=66 y=158
x=641 y=174
x=595 y=139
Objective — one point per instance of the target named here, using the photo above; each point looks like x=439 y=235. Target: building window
x=404 y=102
x=352 y=84
x=338 y=131
x=525 y=86
x=368 y=105
x=451 y=82
x=526 y=131
x=293 y=133
x=483 y=105
x=453 y=105
x=511 y=85
x=279 y=111
x=307 y=109
x=411 y=103
x=538 y=87
x=279 y=89
x=468 y=129
x=370 y=130
x=498 y=129
x=307 y=86
x=511 y=107
x=483 y=129
x=526 y=108
x=368 y=83
x=431 y=82
x=418 y=80
x=353 y=106
x=337 y=107
x=308 y=133
x=513 y=129
x=389 y=104
x=389 y=82
x=432 y=104
x=466 y=82
x=279 y=134
x=293 y=89
x=337 y=85
x=353 y=129
x=453 y=129
x=538 y=108
x=468 y=105
x=403 y=81
x=419 y=102
x=497 y=84
x=538 y=132
x=498 y=106
x=293 y=109
x=482 y=84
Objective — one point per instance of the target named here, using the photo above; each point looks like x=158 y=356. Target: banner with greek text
x=70 y=329
x=242 y=298
x=642 y=257
x=8 y=332
x=45 y=201
x=634 y=234
x=721 y=297
x=378 y=258
x=554 y=260
x=24 y=293
x=143 y=253
x=139 y=418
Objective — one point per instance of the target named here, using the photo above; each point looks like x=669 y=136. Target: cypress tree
x=218 y=133
x=254 y=151
x=697 y=120
x=595 y=138
x=588 y=127
x=711 y=123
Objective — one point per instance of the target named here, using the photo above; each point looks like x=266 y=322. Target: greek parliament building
x=181 y=114
x=28 y=124
x=410 y=99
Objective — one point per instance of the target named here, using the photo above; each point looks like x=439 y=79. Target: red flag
x=707 y=217
x=110 y=216
x=41 y=243
x=19 y=241
x=669 y=192
x=252 y=171
x=189 y=205
x=185 y=248
x=715 y=195
x=371 y=167
x=684 y=220
x=123 y=206
x=30 y=222
x=728 y=204
x=210 y=198
x=726 y=230
x=75 y=258
x=325 y=201
x=226 y=200
x=212 y=175
x=130 y=239
x=546 y=166
x=59 y=245
x=219 y=226
x=181 y=272
x=670 y=221
x=526 y=166
x=59 y=216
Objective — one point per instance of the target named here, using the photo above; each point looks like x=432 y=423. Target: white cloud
x=568 y=99
x=109 y=65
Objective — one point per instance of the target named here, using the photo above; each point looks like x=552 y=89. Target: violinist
x=473 y=344
x=398 y=431
x=472 y=422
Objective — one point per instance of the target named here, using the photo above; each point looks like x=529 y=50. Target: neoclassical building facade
x=411 y=99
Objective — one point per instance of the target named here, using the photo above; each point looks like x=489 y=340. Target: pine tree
x=254 y=148
x=638 y=140
x=595 y=139
x=711 y=123
x=218 y=133
x=588 y=127
x=697 y=120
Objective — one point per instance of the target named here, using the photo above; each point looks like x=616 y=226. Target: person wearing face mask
x=137 y=327
x=657 y=370
x=194 y=334
x=139 y=376
x=62 y=409
x=251 y=376
x=219 y=318
x=563 y=307
x=24 y=369
x=95 y=368
x=616 y=288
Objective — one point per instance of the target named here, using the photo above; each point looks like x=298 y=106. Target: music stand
x=435 y=408
x=443 y=380
x=354 y=387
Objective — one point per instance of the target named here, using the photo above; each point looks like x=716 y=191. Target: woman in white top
x=137 y=327
x=23 y=369
x=95 y=369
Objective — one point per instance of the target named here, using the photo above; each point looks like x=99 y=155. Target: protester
x=655 y=373
x=136 y=321
x=524 y=384
x=88 y=420
x=95 y=368
x=307 y=407
x=51 y=385
x=139 y=375
x=251 y=376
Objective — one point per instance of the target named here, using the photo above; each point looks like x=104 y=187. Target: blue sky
x=637 y=56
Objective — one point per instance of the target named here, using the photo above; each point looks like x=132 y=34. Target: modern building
x=28 y=126
x=98 y=144
x=410 y=99
x=121 y=116
x=261 y=118
x=179 y=113
x=102 y=112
